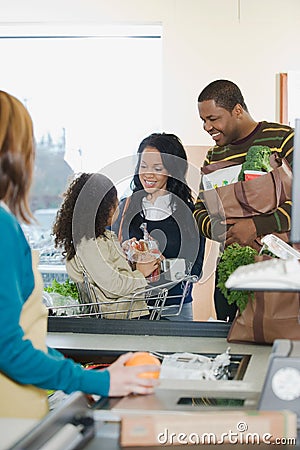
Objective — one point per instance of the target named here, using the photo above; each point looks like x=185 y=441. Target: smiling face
x=152 y=173
x=224 y=126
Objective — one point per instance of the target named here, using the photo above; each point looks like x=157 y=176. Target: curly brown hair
x=85 y=211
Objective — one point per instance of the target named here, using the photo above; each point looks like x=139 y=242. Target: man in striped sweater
x=226 y=118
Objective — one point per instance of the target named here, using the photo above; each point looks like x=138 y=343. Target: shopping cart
x=148 y=303
x=171 y=310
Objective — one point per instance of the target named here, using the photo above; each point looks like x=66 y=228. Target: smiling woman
x=153 y=175
x=162 y=201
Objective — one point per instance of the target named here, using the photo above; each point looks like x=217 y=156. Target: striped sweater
x=280 y=139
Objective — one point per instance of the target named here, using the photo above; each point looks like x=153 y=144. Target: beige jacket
x=114 y=281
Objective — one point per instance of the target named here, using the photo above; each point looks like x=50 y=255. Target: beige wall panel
x=203 y=290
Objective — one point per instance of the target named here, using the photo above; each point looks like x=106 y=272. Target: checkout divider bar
x=138 y=327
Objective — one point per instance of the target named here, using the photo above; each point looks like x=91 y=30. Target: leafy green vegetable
x=67 y=289
x=257 y=158
x=233 y=257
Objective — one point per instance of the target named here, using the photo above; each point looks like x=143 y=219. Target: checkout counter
x=101 y=341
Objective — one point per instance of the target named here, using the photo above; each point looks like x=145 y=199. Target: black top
x=177 y=237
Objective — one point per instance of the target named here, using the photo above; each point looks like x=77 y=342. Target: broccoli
x=257 y=158
x=234 y=256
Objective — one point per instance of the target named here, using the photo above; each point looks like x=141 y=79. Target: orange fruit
x=142 y=358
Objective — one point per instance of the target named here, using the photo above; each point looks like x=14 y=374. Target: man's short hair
x=225 y=93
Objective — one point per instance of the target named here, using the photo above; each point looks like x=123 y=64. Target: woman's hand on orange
x=125 y=380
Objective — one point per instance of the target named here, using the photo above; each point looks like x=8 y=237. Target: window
x=93 y=96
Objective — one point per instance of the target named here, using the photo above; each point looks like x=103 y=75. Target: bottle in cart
x=154 y=250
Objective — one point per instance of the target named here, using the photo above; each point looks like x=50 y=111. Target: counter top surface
x=255 y=372
x=12 y=429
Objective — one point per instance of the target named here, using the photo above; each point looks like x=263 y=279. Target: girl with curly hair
x=89 y=206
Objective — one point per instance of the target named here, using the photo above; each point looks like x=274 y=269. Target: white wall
x=247 y=41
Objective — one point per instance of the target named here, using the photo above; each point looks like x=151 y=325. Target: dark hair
x=17 y=153
x=174 y=159
x=85 y=211
x=225 y=93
